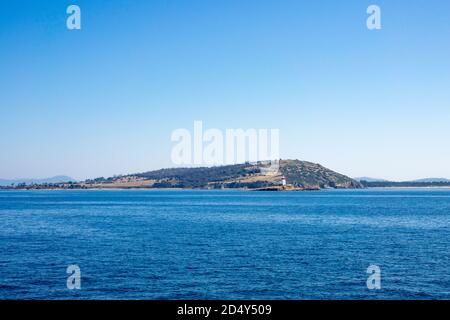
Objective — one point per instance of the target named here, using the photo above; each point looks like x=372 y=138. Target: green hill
x=299 y=174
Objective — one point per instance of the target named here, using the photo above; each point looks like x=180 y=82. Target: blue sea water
x=154 y=244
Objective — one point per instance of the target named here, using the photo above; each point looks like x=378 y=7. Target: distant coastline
x=68 y=188
x=286 y=176
x=430 y=187
x=404 y=184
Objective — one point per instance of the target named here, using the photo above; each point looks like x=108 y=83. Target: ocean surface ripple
x=155 y=244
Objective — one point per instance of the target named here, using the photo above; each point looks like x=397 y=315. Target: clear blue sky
x=104 y=100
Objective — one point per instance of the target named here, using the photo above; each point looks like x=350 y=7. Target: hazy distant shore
x=224 y=189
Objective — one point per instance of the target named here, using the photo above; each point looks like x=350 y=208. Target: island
x=289 y=175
